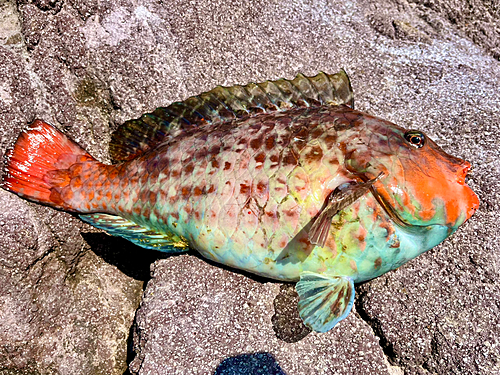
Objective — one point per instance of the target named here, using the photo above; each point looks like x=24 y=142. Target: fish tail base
x=39 y=166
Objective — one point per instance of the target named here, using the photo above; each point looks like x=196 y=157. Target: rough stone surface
x=423 y=20
x=189 y=322
x=62 y=309
x=67 y=299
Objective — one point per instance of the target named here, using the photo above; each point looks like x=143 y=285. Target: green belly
x=363 y=244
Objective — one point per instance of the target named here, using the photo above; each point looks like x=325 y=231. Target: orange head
x=423 y=185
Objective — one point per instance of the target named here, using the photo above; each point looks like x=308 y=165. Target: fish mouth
x=468 y=177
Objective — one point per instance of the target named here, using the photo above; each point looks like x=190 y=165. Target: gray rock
x=425 y=75
x=194 y=315
x=67 y=299
x=63 y=309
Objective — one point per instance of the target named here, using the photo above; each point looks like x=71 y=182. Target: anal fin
x=137 y=234
x=324 y=300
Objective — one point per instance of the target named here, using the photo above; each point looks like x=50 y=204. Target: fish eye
x=415 y=138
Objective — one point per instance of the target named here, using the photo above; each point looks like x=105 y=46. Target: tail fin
x=38 y=166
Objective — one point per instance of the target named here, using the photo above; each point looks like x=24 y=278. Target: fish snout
x=462 y=172
x=471 y=197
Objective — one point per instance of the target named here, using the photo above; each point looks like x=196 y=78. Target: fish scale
x=140 y=191
x=242 y=208
x=283 y=179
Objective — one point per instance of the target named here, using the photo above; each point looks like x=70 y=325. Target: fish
x=284 y=179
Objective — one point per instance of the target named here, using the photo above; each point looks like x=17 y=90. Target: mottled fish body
x=283 y=179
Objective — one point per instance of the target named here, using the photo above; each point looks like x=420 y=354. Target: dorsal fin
x=224 y=104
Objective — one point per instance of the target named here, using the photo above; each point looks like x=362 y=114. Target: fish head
x=422 y=185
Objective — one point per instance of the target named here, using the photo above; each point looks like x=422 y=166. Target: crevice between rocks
x=131 y=354
x=134 y=262
x=387 y=347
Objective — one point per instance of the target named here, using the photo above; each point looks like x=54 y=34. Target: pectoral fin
x=324 y=300
x=343 y=196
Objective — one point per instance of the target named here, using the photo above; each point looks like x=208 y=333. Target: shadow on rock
x=286 y=320
x=257 y=364
x=132 y=260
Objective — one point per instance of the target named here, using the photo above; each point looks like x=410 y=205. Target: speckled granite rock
x=86 y=66
x=62 y=308
x=194 y=315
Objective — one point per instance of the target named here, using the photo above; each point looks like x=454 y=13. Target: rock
x=478 y=19
x=194 y=316
x=423 y=78
x=67 y=299
x=63 y=309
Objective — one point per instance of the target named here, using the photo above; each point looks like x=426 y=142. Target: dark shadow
x=287 y=324
x=130 y=348
x=132 y=260
x=250 y=364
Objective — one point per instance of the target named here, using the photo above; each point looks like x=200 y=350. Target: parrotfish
x=284 y=179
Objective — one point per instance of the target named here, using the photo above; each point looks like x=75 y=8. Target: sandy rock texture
x=188 y=325
x=68 y=293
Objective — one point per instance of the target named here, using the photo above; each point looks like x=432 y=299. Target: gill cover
x=424 y=185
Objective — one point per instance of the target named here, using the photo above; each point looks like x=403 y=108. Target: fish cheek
x=369 y=163
x=435 y=194
x=358 y=162
x=398 y=189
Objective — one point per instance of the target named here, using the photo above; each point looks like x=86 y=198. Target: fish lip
x=468 y=174
x=464 y=172
x=468 y=177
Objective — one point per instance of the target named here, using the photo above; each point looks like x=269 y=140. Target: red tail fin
x=37 y=168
